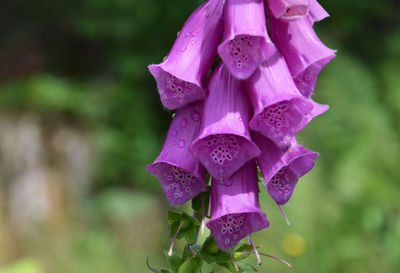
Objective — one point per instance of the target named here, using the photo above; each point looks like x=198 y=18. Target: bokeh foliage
x=83 y=63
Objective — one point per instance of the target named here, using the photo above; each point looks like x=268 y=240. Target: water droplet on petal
x=174 y=132
x=182 y=143
x=183 y=48
x=184 y=122
x=194 y=33
x=193 y=42
x=196 y=116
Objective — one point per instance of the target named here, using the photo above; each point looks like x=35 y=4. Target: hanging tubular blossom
x=181 y=175
x=288 y=9
x=247 y=42
x=180 y=76
x=282 y=167
x=224 y=144
x=280 y=111
x=235 y=210
x=304 y=53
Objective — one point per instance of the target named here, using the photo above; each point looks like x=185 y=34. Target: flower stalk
x=237 y=122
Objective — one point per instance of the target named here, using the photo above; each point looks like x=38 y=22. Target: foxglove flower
x=304 y=53
x=280 y=110
x=288 y=9
x=246 y=39
x=235 y=209
x=181 y=175
x=282 y=167
x=224 y=144
x=180 y=76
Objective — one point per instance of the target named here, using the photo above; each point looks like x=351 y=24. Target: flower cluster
x=246 y=113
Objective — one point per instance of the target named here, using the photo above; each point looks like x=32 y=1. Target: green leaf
x=165 y=271
x=185 y=254
x=174 y=216
x=174 y=260
x=191 y=234
x=196 y=263
x=186 y=267
x=174 y=228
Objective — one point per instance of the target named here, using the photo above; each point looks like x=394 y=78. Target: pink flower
x=224 y=144
x=180 y=76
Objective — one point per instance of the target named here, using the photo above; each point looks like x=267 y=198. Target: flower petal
x=280 y=111
x=304 y=53
x=282 y=167
x=316 y=11
x=246 y=42
x=180 y=174
x=224 y=144
x=180 y=76
x=288 y=9
x=235 y=209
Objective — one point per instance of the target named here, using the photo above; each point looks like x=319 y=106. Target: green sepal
x=244 y=247
x=165 y=271
x=222 y=257
x=197 y=202
x=245 y=267
x=210 y=250
x=239 y=252
x=191 y=219
x=229 y=265
x=174 y=260
x=174 y=216
x=210 y=245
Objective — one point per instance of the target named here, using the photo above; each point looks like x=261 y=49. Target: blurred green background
x=80 y=118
